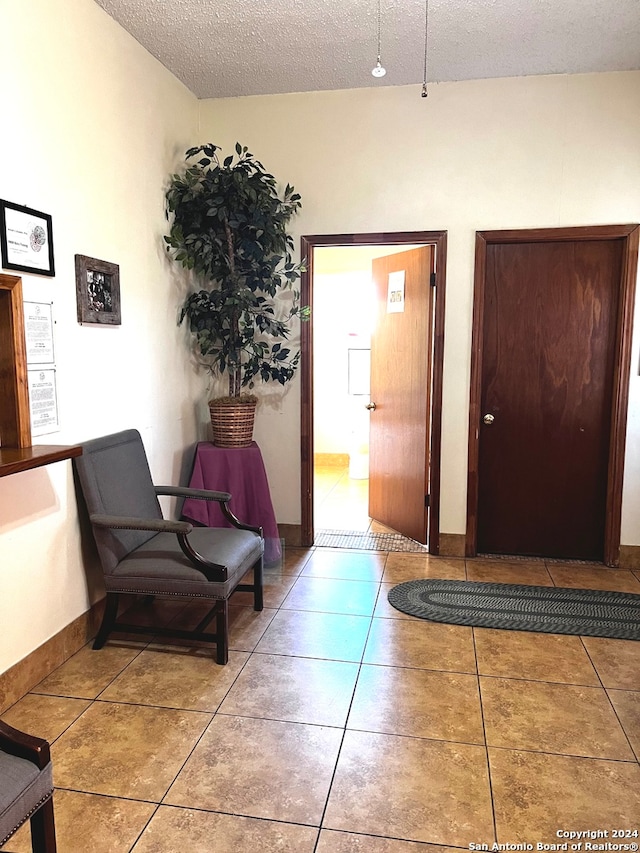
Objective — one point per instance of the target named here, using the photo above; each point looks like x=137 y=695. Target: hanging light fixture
x=378 y=70
x=426 y=33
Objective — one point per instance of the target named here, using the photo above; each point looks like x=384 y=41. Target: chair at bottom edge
x=143 y=553
x=26 y=788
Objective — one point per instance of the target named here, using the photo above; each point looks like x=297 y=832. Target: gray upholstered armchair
x=141 y=552
x=26 y=788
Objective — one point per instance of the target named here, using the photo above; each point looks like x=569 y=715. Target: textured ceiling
x=227 y=48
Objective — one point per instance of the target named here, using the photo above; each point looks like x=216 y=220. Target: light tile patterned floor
x=340 y=502
x=343 y=726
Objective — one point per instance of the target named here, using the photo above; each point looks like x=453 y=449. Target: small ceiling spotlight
x=379 y=71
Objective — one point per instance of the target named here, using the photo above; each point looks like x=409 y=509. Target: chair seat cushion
x=23 y=788
x=158 y=566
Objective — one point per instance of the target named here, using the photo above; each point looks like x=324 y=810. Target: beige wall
x=511 y=153
x=91 y=127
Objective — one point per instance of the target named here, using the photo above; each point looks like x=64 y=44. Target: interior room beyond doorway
x=343 y=322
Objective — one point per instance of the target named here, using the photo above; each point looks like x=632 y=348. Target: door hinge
x=427 y=500
x=432 y=279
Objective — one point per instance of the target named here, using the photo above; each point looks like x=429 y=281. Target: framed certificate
x=43 y=400
x=26 y=239
x=38 y=332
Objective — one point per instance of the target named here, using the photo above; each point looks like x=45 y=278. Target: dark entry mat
x=545 y=609
x=365 y=541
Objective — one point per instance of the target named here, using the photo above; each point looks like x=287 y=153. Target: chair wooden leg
x=222 y=630
x=108 y=620
x=257 y=585
x=43 y=829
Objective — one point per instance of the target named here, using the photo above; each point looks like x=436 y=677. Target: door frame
x=307 y=245
x=629 y=234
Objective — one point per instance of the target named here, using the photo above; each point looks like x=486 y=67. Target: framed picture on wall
x=97 y=291
x=26 y=239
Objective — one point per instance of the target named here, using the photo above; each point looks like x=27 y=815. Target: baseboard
x=630 y=557
x=17 y=681
x=452 y=544
x=292 y=534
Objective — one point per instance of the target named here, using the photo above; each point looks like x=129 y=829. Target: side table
x=239 y=471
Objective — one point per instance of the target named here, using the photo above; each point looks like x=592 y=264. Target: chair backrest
x=115 y=480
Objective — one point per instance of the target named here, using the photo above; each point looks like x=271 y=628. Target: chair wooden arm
x=211 y=571
x=15 y=742
x=197 y=494
x=223 y=499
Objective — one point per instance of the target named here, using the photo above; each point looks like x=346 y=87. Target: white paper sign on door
x=395 y=293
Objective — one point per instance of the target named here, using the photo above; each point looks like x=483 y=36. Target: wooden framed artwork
x=26 y=239
x=97 y=291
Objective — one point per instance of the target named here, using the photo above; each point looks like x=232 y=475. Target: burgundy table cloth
x=239 y=471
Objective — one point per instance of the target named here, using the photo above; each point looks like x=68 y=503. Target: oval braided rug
x=546 y=609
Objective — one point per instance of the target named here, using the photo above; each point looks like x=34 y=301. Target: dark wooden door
x=548 y=359
x=401 y=350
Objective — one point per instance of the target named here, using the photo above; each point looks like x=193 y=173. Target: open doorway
x=335 y=392
x=343 y=324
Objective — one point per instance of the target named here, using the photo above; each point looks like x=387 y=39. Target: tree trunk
x=235 y=367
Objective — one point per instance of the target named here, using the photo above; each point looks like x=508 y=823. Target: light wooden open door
x=401 y=363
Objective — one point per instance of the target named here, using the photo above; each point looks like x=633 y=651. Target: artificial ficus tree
x=230 y=228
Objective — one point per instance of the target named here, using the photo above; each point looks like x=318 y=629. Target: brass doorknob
x=488 y=419
x=371 y=406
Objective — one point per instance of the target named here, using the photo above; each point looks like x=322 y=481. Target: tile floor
x=340 y=502
x=341 y=725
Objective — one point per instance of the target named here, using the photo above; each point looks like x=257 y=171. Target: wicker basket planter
x=232 y=420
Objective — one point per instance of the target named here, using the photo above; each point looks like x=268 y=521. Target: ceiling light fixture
x=426 y=33
x=379 y=71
